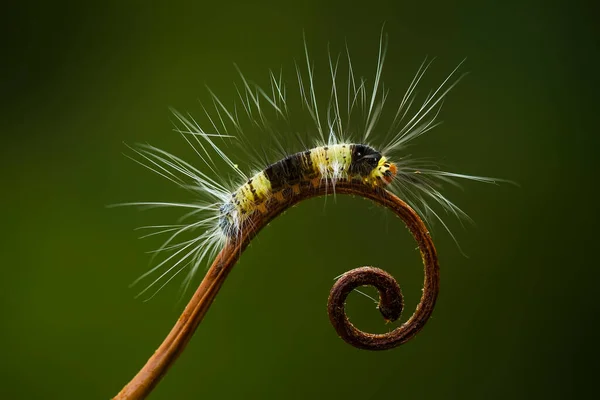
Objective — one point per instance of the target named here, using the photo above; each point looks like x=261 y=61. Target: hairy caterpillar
x=358 y=163
x=348 y=146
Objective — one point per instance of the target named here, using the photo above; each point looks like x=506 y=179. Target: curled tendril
x=390 y=296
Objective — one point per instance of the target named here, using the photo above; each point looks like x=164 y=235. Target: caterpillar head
x=385 y=171
x=371 y=165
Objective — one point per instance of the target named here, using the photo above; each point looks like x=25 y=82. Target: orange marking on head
x=393 y=169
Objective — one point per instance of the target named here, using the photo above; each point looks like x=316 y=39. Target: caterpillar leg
x=279 y=196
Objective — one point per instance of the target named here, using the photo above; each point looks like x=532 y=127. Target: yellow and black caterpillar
x=358 y=163
x=344 y=148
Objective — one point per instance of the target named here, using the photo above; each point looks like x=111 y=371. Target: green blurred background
x=515 y=319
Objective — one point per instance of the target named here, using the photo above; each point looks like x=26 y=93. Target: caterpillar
x=357 y=163
x=347 y=145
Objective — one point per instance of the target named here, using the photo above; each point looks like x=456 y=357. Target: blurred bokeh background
x=517 y=318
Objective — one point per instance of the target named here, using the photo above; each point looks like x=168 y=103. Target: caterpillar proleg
x=347 y=144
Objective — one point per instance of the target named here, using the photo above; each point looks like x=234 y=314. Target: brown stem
x=390 y=296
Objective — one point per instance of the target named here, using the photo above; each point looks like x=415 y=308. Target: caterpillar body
x=343 y=149
x=358 y=163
